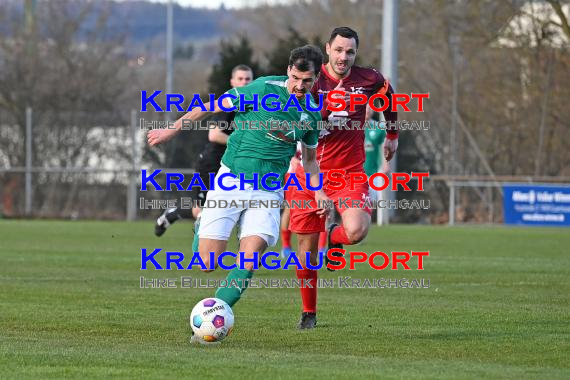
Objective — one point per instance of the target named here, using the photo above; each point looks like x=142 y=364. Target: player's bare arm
x=159 y=136
x=216 y=135
x=390 y=148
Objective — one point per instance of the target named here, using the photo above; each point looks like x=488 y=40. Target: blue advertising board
x=540 y=205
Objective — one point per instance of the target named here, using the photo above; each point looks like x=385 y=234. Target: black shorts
x=205 y=167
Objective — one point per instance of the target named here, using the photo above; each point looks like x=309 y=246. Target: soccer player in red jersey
x=340 y=147
x=285 y=215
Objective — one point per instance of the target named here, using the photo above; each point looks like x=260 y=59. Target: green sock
x=196 y=239
x=237 y=283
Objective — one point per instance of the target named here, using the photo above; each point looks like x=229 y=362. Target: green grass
x=498 y=307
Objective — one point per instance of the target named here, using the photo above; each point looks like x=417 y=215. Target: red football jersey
x=338 y=147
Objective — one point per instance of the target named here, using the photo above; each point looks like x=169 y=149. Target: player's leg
x=237 y=278
x=200 y=196
x=308 y=243
x=165 y=220
x=354 y=228
x=208 y=245
x=355 y=221
x=216 y=227
x=258 y=229
x=172 y=215
x=307 y=224
x=285 y=217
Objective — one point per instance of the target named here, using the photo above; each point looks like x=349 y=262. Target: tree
x=183 y=151
x=563 y=24
x=61 y=70
x=73 y=73
x=185 y=51
x=278 y=57
x=231 y=55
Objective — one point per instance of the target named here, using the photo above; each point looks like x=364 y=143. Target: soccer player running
x=338 y=148
x=285 y=215
x=210 y=158
x=259 y=151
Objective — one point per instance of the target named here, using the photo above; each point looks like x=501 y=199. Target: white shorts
x=217 y=222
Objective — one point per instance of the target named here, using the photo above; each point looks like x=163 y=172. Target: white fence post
x=133 y=174
x=451 y=203
x=28 y=175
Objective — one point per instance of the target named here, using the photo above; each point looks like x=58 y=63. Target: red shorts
x=306 y=220
x=289 y=192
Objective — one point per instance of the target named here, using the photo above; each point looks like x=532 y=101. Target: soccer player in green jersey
x=373 y=140
x=259 y=151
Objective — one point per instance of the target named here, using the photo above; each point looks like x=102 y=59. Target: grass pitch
x=498 y=306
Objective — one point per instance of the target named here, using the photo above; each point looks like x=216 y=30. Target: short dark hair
x=303 y=57
x=344 y=31
x=241 y=68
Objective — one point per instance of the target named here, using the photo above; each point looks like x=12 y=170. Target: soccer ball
x=212 y=320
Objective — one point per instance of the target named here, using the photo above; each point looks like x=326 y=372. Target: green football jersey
x=372 y=142
x=256 y=145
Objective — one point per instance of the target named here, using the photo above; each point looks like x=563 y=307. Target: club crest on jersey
x=358 y=90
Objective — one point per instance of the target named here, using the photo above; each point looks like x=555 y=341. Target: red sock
x=308 y=295
x=286 y=238
x=338 y=236
x=322 y=241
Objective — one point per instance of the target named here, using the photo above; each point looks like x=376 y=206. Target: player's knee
x=356 y=232
x=308 y=243
x=307 y=256
x=314 y=258
x=207 y=268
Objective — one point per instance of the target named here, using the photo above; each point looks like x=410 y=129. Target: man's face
x=241 y=78
x=300 y=82
x=342 y=53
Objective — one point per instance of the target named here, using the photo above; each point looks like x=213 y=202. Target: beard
x=340 y=68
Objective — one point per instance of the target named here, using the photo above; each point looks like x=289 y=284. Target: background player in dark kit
x=209 y=160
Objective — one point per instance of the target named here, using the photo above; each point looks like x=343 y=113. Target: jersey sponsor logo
x=359 y=90
x=278 y=135
x=353 y=90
